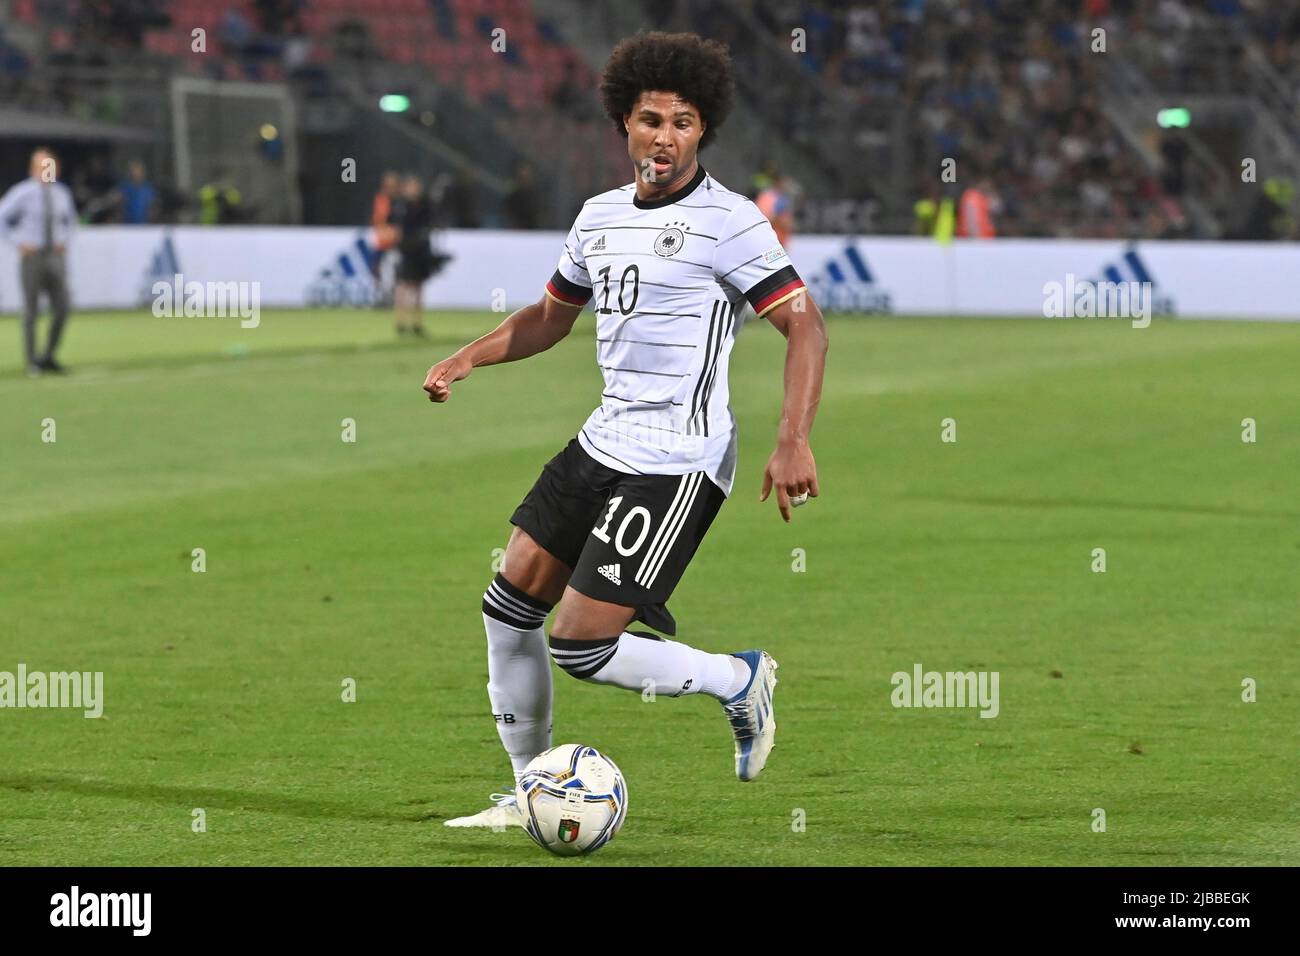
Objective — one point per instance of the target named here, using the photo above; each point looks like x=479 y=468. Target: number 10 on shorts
x=643 y=525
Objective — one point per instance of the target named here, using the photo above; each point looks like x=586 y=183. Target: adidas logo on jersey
x=611 y=571
x=599 y=245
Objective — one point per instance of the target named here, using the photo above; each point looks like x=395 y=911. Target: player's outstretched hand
x=438 y=382
x=792 y=471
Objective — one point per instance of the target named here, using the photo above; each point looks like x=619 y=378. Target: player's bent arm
x=791 y=469
x=532 y=329
x=800 y=321
x=527 y=331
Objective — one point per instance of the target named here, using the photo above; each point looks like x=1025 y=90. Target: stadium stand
x=853 y=101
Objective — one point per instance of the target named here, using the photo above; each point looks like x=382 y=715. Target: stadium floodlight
x=394 y=103
x=1178 y=116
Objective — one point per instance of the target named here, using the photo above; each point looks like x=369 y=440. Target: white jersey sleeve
x=571 y=283
x=750 y=259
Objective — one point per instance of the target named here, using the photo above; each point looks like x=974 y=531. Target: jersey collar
x=673 y=196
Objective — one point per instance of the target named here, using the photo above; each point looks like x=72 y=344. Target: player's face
x=663 y=136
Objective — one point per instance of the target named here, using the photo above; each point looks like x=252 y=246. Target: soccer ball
x=573 y=799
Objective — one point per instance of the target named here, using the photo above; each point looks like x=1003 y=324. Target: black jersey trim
x=770 y=284
x=568 y=291
x=641 y=371
x=704 y=369
x=596 y=446
x=673 y=196
x=700 y=411
x=637 y=401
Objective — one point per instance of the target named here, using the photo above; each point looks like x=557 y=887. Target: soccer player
x=669 y=263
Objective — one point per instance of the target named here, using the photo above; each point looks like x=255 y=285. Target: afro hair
x=697 y=70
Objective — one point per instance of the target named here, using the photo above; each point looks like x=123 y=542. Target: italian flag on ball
x=568 y=831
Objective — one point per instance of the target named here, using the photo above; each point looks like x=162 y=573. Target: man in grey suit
x=38 y=216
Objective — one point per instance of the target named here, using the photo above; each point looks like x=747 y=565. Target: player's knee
x=533 y=569
x=582 y=658
x=513 y=606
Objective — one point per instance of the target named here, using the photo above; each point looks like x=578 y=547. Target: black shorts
x=628 y=538
x=419 y=263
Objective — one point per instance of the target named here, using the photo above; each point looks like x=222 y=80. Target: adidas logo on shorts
x=600 y=245
x=611 y=571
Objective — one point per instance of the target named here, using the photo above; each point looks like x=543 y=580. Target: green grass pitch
x=328 y=560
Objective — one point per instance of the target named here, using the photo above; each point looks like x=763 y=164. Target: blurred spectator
x=95 y=189
x=975 y=209
x=381 y=211
x=1270 y=217
x=14 y=66
x=297 y=52
x=352 y=41
x=775 y=202
x=172 y=203
x=935 y=214
x=235 y=31
x=275 y=16
x=384 y=220
x=119 y=24
x=219 y=202
x=138 y=195
x=251 y=48
x=1173 y=174
x=571 y=97
x=414 y=210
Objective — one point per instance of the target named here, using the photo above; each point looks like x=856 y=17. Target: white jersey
x=668 y=279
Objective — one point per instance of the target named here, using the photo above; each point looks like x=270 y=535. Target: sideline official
x=38 y=216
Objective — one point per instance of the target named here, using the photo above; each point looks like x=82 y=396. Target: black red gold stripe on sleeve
x=567 y=292
x=774 y=290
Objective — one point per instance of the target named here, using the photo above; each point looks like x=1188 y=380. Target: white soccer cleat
x=504 y=814
x=753 y=721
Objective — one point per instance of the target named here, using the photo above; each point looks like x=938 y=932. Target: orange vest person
x=774 y=203
x=973 y=219
x=386 y=233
